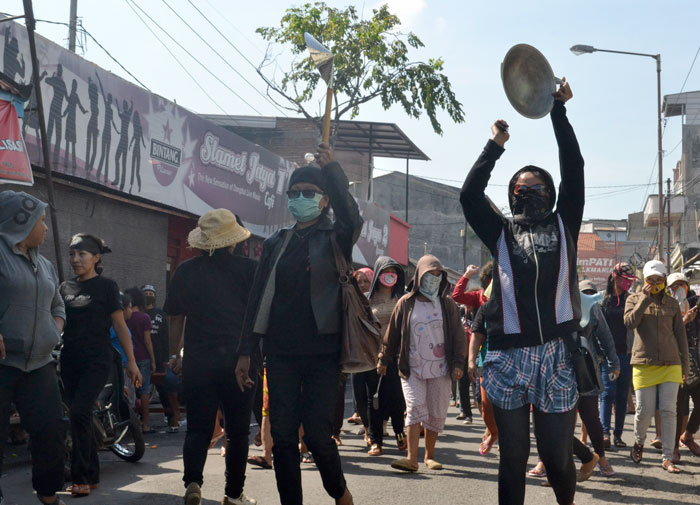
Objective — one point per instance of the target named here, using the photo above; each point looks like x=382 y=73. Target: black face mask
x=530 y=207
x=150 y=299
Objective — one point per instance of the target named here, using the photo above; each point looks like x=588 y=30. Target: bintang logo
x=165 y=153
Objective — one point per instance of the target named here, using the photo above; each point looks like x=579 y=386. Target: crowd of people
x=275 y=328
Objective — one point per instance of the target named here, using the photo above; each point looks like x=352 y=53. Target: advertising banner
x=106 y=130
x=14 y=162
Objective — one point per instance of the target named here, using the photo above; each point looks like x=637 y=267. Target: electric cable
x=192 y=56
x=265 y=97
x=176 y=59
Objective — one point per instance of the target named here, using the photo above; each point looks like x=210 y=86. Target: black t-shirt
x=159 y=336
x=292 y=328
x=89 y=307
x=478 y=325
x=212 y=292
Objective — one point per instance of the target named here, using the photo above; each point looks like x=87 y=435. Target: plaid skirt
x=541 y=375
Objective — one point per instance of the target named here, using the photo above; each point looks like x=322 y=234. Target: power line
x=84 y=30
x=506 y=185
x=220 y=56
x=176 y=58
x=193 y=57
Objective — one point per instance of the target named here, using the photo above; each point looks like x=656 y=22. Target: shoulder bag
x=360 y=329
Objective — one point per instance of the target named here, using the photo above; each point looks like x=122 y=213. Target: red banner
x=14 y=162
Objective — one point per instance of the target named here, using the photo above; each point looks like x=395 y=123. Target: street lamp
x=580 y=49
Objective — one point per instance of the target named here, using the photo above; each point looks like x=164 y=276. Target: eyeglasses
x=541 y=189
x=293 y=194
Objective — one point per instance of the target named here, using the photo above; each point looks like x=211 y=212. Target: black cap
x=308 y=174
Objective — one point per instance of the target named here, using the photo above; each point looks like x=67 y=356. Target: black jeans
x=554 y=434
x=685 y=392
x=391 y=402
x=303 y=391
x=590 y=416
x=84 y=374
x=463 y=384
x=359 y=390
x=38 y=401
x=339 y=415
x=209 y=382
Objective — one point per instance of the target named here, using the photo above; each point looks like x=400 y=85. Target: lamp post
x=580 y=49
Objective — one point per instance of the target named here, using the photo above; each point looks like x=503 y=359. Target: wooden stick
x=327 y=117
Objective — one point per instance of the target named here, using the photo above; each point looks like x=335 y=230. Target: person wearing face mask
x=534 y=308
x=659 y=359
x=426 y=341
x=387 y=286
x=364 y=277
x=295 y=306
x=615 y=392
x=686 y=424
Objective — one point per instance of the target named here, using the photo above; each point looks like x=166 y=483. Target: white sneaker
x=241 y=500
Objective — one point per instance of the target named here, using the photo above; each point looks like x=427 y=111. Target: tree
x=371 y=61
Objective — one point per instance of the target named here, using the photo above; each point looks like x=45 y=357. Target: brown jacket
x=659 y=333
x=397 y=339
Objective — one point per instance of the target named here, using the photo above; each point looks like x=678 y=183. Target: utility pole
x=31 y=23
x=72 y=22
x=668 y=225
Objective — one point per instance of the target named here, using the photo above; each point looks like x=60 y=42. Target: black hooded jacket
x=535 y=295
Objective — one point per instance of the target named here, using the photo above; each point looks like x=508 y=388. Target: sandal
x=584 y=473
x=376 y=450
x=606 y=442
x=606 y=471
x=636 y=453
x=619 y=442
x=535 y=472
x=337 y=440
x=259 y=461
x=77 y=490
x=401 y=442
x=307 y=458
x=367 y=439
x=656 y=444
x=433 y=465
x=405 y=465
x=670 y=467
x=486 y=445
x=691 y=444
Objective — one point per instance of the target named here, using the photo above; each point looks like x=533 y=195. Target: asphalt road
x=467 y=477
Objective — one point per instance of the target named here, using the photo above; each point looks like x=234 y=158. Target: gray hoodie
x=29 y=298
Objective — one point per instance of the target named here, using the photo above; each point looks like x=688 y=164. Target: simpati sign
x=596 y=266
x=14 y=162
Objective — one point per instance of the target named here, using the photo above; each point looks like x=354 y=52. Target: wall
x=435 y=216
x=137 y=236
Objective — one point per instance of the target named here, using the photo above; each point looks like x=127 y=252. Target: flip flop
x=656 y=444
x=307 y=458
x=606 y=471
x=485 y=446
x=404 y=464
x=433 y=465
x=259 y=461
x=534 y=472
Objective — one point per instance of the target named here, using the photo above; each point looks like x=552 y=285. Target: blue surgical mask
x=305 y=209
x=430 y=285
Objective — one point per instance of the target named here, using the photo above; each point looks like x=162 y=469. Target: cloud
x=408 y=11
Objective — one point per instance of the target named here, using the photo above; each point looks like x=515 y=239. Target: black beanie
x=308 y=174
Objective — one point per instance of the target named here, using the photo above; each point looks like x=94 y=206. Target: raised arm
x=478 y=210
x=571 y=189
x=348 y=223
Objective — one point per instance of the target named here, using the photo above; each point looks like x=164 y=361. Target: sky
x=613 y=110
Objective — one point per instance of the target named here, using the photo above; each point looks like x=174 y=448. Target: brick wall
x=137 y=236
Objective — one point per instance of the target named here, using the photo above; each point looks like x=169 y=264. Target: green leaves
x=371 y=61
